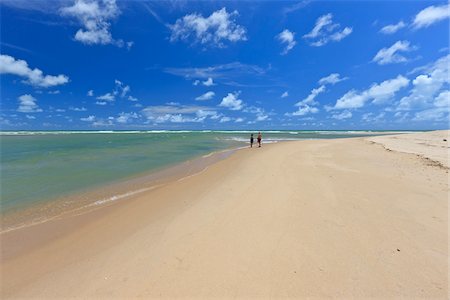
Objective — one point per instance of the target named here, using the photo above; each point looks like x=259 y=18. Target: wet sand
x=309 y=219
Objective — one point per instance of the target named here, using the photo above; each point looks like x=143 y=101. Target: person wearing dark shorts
x=251 y=140
x=259 y=139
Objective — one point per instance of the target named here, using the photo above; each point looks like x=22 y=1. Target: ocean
x=38 y=167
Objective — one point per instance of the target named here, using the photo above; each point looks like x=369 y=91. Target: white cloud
x=310 y=99
x=307 y=105
x=427 y=85
x=95 y=16
x=203 y=114
x=259 y=112
x=208 y=82
x=437 y=114
x=88 y=119
x=225 y=119
x=304 y=110
x=232 y=102
x=326 y=31
x=392 y=28
x=90 y=93
x=378 y=93
x=120 y=89
x=29 y=117
x=287 y=37
x=77 y=108
x=56 y=92
x=102 y=123
x=206 y=96
x=214 y=30
x=27 y=104
x=391 y=55
x=239 y=120
x=124 y=118
x=372 y=118
x=101 y=103
x=225 y=71
x=443 y=99
x=332 y=79
x=178 y=113
x=35 y=77
x=107 y=97
x=343 y=115
x=285 y=94
x=431 y=15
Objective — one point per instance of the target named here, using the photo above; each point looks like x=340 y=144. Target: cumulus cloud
x=208 y=82
x=225 y=71
x=391 y=55
x=232 y=102
x=304 y=109
x=215 y=30
x=343 y=115
x=96 y=17
x=206 y=96
x=72 y=108
x=35 y=77
x=443 y=99
x=125 y=118
x=287 y=37
x=90 y=118
x=178 y=113
x=325 y=31
x=27 y=104
x=285 y=94
x=308 y=104
x=377 y=93
x=392 y=28
x=120 y=90
x=259 y=112
x=332 y=79
x=310 y=99
x=427 y=85
x=438 y=114
x=107 y=97
x=90 y=93
x=431 y=15
x=372 y=118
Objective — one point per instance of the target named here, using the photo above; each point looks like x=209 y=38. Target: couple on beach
x=259 y=138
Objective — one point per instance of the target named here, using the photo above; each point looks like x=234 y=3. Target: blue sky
x=105 y=64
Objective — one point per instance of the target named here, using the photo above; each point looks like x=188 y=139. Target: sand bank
x=325 y=218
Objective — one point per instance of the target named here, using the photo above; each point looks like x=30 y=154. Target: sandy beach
x=344 y=218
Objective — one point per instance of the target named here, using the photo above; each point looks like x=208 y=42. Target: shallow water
x=37 y=166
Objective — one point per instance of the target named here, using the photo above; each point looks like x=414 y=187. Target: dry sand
x=310 y=219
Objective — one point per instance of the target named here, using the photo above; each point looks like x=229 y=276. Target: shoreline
x=312 y=218
x=96 y=197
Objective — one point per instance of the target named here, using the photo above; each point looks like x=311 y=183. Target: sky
x=150 y=65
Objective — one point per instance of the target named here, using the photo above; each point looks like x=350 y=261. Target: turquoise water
x=38 y=166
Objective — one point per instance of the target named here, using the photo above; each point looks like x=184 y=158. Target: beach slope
x=338 y=218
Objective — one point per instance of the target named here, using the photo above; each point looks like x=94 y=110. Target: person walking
x=251 y=140
x=259 y=139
